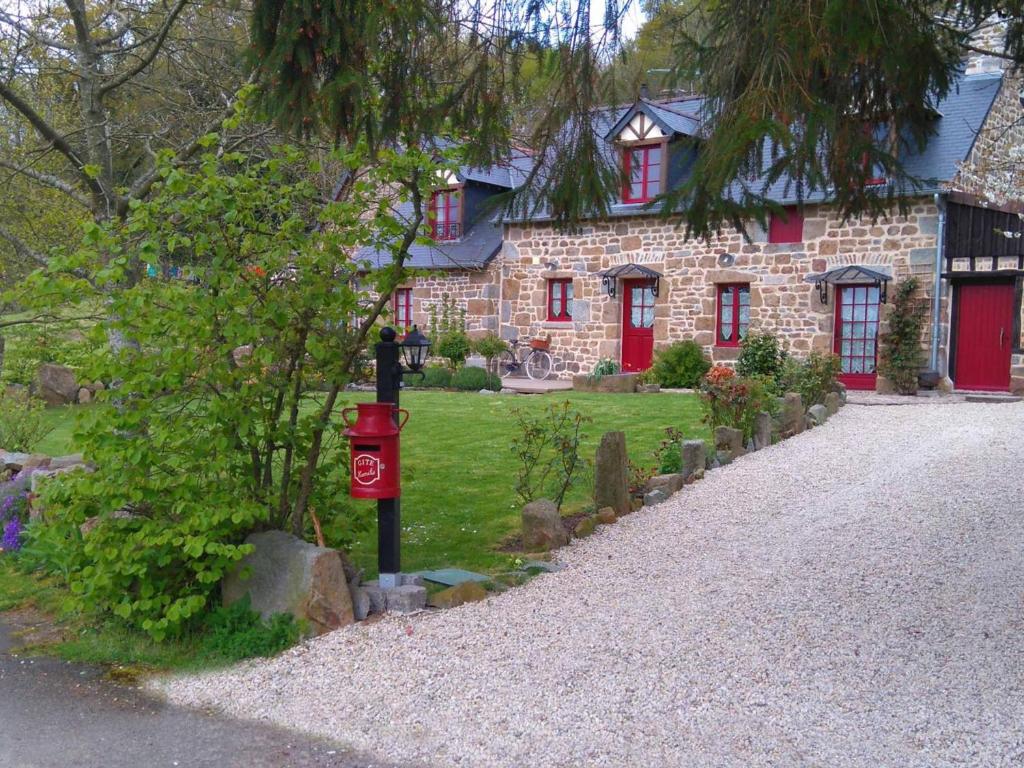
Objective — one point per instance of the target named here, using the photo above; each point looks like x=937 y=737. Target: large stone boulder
x=56 y=384
x=285 y=574
x=617 y=382
x=729 y=440
x=542 y=527
x=833 y=403
x=611 y=473
x=460 y=594
x=694 y=459
x=667 y=483
x=762 y=430
x=817 y=415
x=791 y=414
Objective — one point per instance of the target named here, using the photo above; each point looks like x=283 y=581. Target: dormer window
x=642 y=166
x=445 y=214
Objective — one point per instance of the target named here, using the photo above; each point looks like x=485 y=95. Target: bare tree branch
x=147 y=59
x=21 y=247
x=48 y=180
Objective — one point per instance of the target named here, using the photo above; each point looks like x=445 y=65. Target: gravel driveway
x=851 y=597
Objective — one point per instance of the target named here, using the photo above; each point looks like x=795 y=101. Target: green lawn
x=458 y=500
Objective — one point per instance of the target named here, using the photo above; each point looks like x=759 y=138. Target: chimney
x=644 y=91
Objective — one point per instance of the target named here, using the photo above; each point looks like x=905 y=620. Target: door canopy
x=850 y=275
x=610 y=277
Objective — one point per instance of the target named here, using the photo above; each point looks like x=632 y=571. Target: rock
x=361 y=605
x=817 y=414
x=713 y=461
x=791 y=415
x=242 y=355
x=698 y=475
x=694 y=457
x=648 y=389
x=507 y=391
x=832 y=403
x=14 y=461
x=287 y=575
x=65 y=462
x=407 y=598
x=36 y=461
x=91 y=523
x=84 y=396
x=945 y=385
x=377 y=596
x=723 y=458
x=97 y=386
x=585 y=527
x=762 y=430
x=16 y=391
x=611 y=473
x=606 y=516
x=655 y=497
x=667 y=483
x=460 y=594
x=487 y=392
x=617 y=382
x=928 y=379
x=750 y=447
x=56 y=384
x=542 y=526
x=729 y=439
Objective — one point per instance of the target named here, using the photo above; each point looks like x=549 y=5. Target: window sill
x=557 y=324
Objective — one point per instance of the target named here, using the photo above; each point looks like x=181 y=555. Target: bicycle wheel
x=538 y=365
x=507 y=363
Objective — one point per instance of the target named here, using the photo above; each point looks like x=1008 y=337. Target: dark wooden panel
x=975 y=233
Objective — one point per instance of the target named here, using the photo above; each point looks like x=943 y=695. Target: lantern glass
x=414 y=349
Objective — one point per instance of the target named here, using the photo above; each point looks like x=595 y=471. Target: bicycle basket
x=543 y=344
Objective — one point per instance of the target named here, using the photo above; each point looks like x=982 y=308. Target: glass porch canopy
x=850 y=275
x=610 y=277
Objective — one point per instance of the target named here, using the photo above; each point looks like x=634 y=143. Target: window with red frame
x=560 y=300
x=872 y=181
x=733 y=314
x=403 y=309
x=444 y=215
x=790 y=230
x=643 y=173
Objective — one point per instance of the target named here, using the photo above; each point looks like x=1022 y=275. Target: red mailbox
x=375 y=471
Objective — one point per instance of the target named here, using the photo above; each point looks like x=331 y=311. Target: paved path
x=59 y=715
x=851 y=597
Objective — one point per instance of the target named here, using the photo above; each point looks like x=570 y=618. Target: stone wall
x=782 y=301
x=476 y=291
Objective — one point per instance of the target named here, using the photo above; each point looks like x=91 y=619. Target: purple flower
x=11 y=541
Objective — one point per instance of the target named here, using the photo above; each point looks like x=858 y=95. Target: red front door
x=856 y=334
x=984 y=336
x=637 y=324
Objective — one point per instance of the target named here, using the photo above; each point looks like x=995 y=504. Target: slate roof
x=960 y=116
x=480 y=242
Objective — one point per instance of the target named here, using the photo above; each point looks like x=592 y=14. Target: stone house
x=622 y=286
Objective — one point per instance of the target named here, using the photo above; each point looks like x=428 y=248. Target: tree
x=799 y=90
x=225 y=419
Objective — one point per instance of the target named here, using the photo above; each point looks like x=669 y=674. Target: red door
x=856 y=334
x=984 y=336
x=637 y=324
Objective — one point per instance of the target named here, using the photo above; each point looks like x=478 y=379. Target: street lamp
x=414 y=348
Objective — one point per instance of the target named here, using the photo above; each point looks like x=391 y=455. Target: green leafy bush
x=22 y=424
x=26 y=347
x=547 y=445
x=813 y=377
x=53 y=548
x=434 y=377
x=761 y=355
x=731 y=401
x=900 y=356
x=237 y=632
x=668 y=457
x=471 y=379
x=490 y=347
x=453 y=347
x=682 y=364
x=605 y=367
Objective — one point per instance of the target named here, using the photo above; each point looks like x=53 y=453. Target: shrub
x=436 y=377
x=453 y=347
x=21 y=421
x=813 y=377
x=489 y=347
x=761 y=355
x=53 y=548
x=472 y=378
x=731 y=401
x=605 y=367
x=668 y=456
x=548 y=448
x=900 y=357
x=28 y=346
x=237 y=632
x=682 y=364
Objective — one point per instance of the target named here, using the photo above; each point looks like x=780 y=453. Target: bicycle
x=537 y=360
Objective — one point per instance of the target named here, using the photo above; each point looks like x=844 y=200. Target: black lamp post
x=414 y=349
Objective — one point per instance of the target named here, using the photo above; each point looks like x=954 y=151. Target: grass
x=458 y=471
x=458 y=503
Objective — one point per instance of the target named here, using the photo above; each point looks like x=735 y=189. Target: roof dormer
x=648 y=122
